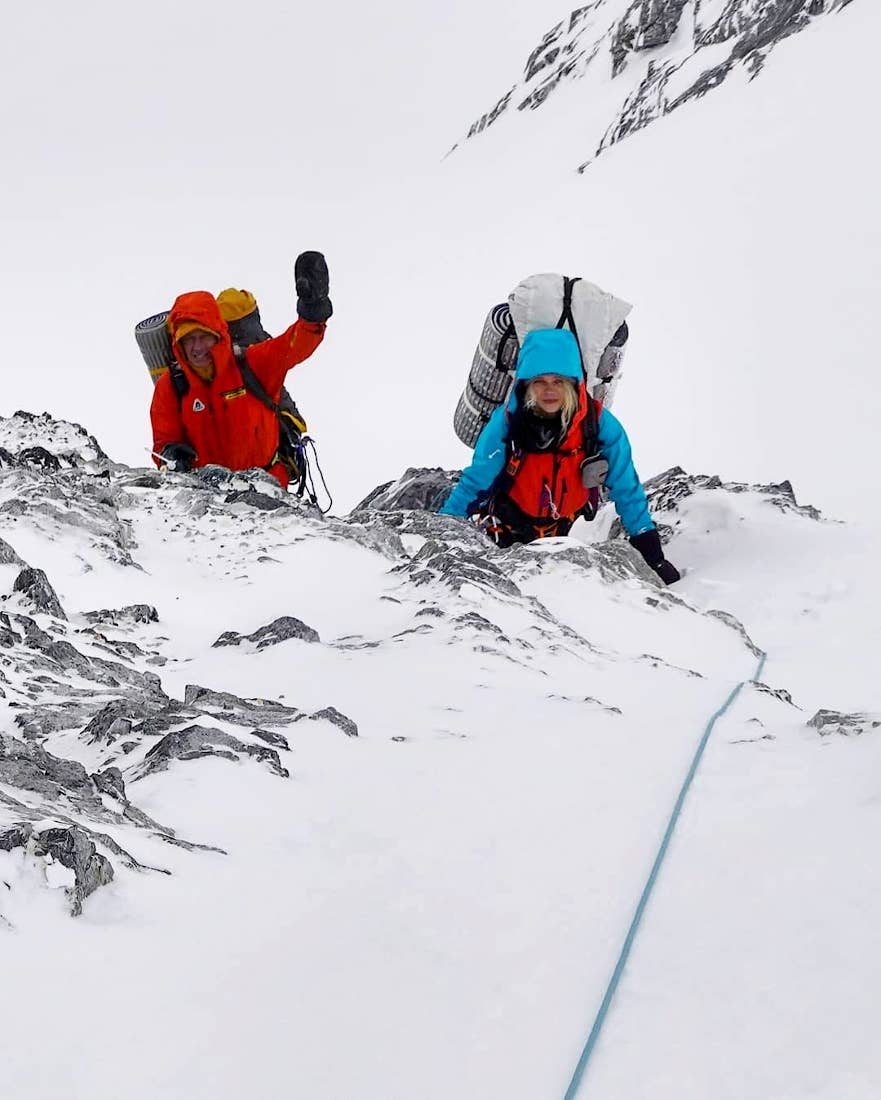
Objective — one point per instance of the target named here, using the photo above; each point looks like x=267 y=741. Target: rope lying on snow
x=614 y=981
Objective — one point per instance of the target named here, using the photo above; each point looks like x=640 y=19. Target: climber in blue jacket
x=542 y=457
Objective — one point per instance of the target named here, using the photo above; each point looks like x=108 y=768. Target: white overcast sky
x=153 y=149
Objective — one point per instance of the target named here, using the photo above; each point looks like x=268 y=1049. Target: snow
x=433 y=909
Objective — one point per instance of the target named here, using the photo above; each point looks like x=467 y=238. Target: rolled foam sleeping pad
x=154 y=341
x=490 y=376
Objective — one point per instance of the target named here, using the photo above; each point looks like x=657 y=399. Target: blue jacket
x=552 y=351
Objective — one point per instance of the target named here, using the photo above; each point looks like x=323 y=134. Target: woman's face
x=548 y=391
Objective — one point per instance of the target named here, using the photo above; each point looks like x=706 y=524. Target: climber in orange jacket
x=206 y=415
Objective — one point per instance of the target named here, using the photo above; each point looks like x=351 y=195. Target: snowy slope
x=390 y=845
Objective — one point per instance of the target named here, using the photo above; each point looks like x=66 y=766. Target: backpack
x=596 y=319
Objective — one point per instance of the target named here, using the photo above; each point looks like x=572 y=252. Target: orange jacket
x=221 y=420
x=546 y=485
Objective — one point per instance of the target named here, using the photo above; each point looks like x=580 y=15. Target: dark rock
x=275 y=739
x=241 y=712
x=111 y=722
x=29 y=767
x=39 y=458
x=16 y=837
x=645 y=25
x=417 y=488
x=279 y=630
x=117 y=647
x=827 y=722
x=478 y=562
x=35 y=586
x=159 y=723
x=338 y=719
x=477 y=622
x=775 y=693
x=133 y=613
x=74 y=850
x=8 y=556
x=195 y=742
x=110 y=781
x=738 y=627
x=145 y=481
x=61 y=658
x=8 y=637
x=255 y=499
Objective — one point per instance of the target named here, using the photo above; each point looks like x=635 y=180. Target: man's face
x=549 y=390
x=197 y=348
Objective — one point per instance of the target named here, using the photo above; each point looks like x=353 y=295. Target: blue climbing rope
x=615 y=980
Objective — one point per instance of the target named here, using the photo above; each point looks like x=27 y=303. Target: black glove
x=178 y=457
x=648 y=543
x=313 y=285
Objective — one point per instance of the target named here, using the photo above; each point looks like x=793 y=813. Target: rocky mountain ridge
x=657 y=55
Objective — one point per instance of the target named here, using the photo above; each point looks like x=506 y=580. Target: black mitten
x=648 y=543
x=178 y=457
x=313 y=286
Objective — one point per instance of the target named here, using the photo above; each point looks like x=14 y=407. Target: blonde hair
x=567 y=410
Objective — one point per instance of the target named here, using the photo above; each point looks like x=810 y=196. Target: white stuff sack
x=537 y=302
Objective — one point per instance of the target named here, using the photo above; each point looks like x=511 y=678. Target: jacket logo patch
x=198 y=406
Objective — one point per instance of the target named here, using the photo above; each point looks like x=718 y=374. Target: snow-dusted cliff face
x=641 y=59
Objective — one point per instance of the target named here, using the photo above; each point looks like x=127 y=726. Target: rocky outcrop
x=30 y=768
x=195 y=742
x=44 y=443
x=123 y=616
x=279 y=630
x=34 y=586
x=70 y=847
x=332 y=715
x=666 y=491
x=416 y=488
x=828 y=722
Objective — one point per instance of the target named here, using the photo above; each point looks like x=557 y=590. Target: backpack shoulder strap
x=179 y=381
x=568 y=318
x=590 y=426
x=252 y=383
